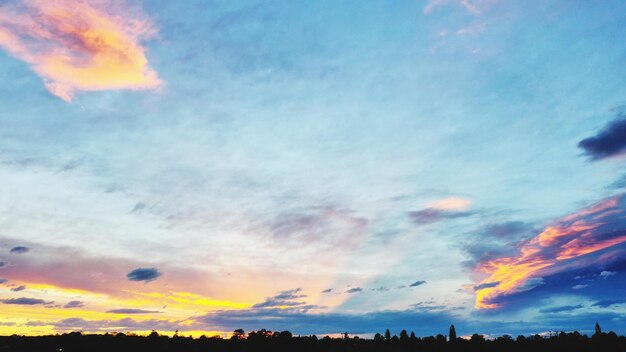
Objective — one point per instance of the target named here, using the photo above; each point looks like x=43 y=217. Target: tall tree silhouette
x=452 y=333
x=387 y=334
x=598 y=329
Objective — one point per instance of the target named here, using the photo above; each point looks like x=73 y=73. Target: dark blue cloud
x=328 y=290
x=2 y=280
x=605 y=303
x=561 y=309
x=417 y=283
x=144 y=274
x=132 y=311
x=24 y=301
x=74 y=304
x=486 y=285
x=18 y=288
x=610 y=141
x=431 y=215
x=19 y=249
x=3 y=263
x=354 y=290
x=287 y=298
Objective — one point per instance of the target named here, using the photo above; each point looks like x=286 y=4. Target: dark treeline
x=264 y=340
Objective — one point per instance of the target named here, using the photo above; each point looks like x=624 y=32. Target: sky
x=313 y=166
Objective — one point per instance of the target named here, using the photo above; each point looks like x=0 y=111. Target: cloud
x=604 y=274
x=23 y=301
x=605 y=303
x=74 y=304
x=579 y=286
x=283 y=299
x=380 y=289
x=328 y=290
x=432 y=215
x=18 y=288
x=467 y=5
x=79 y=45
x=610 y=141
x=450 y=203
x=354 y=290
x=417 y=283
x=144 y=274
x=486 y=285
x=507 y=230
x=326 y=225
x=575 y=240
x=561 y=309
x=3 y=263
x=19 y=249
x=132 y=311
x=2 y=280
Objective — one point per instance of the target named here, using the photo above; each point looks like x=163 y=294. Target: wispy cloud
x=132 y=311
x=79 y=45
x=561 y=309
x=289 y=298
x=431 y=215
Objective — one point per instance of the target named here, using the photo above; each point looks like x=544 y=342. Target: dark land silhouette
x=265 y=340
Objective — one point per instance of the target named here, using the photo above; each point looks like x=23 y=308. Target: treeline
x=264 y=340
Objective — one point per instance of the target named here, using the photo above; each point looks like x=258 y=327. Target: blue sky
x=272 y=147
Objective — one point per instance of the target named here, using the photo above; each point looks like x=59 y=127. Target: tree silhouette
x=238 y=334
x=387 y=335
x=598 y=329
x=452 y=333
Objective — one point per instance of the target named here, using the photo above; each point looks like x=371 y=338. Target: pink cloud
x=79 y=45
x=565 y=244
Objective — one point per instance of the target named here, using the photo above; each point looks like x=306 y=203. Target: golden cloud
x=78 y=45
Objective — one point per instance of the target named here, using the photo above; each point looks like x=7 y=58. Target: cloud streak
x=25 y=301
x=79 y=45
x=132 y=311
x=561 y=245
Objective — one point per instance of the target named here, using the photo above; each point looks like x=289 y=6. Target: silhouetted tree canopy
x=277 y=341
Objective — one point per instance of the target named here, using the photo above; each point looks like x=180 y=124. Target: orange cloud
x=574 y=236
x=79 y=45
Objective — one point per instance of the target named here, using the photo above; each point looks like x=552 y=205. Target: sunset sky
x=313 y=166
